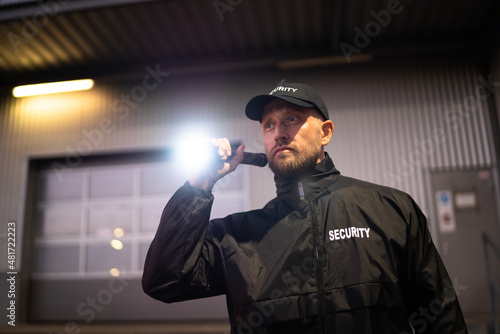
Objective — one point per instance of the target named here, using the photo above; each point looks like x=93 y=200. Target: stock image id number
x=11 y=245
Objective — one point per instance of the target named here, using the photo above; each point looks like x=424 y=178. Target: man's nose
x=280 y=132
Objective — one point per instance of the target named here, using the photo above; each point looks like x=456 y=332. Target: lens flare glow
x=195 y=153
x=116 y=244
x=114 y=272
x=118 y=232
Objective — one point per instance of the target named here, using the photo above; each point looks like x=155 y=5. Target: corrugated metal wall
x=392 y=121
x=400 y=119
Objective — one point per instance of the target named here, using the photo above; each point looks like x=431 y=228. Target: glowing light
x=116 y=244
x=52 y=87
x=118 y=232
x=65 y=109
x=195 y=153
x=114 y=272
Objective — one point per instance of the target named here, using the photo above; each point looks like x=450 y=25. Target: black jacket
x=348 y=257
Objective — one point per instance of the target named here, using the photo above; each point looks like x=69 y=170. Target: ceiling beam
x=52 y=8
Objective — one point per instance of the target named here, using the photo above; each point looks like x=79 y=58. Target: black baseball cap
x=296 y=93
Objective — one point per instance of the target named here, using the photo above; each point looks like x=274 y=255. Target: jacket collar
x=310 y=182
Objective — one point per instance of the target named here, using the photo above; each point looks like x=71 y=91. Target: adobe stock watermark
x=221 y=7
x=453 y=119
x=32 y=25
x=121 y=107
x=92 y=305
x=293 y=279
x=372 y=29
x=421 y=319
x=12 y=272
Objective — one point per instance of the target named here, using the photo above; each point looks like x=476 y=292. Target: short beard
x=298 y=165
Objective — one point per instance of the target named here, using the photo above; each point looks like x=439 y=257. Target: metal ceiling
x=42 y=40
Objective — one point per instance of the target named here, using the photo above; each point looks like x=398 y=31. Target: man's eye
x=292 y=118
x=268 y=126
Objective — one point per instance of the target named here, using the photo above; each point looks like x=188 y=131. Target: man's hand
x=207 y=177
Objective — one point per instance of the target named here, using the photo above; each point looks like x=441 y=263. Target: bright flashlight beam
x=196 y=153
x=52 y=87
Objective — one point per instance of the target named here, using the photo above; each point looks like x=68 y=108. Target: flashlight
x=254 y=159
x=196 y=152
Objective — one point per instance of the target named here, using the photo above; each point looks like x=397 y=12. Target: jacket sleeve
x=432 y=301
x=181 y=262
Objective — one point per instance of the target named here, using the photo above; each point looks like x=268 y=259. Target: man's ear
x=327 y=128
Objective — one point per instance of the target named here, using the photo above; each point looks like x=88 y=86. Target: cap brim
x=256 y=105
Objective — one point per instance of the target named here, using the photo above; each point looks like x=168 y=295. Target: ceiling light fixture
x=52 y=87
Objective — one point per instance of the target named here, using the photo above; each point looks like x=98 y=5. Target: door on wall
x=465 y=207
x=93 y=225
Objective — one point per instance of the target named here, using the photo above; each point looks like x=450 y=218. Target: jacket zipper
x=319 y=267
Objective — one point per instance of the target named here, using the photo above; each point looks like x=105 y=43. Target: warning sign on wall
x=445 y=211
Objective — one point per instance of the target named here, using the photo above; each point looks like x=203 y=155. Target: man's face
x=293 y=138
